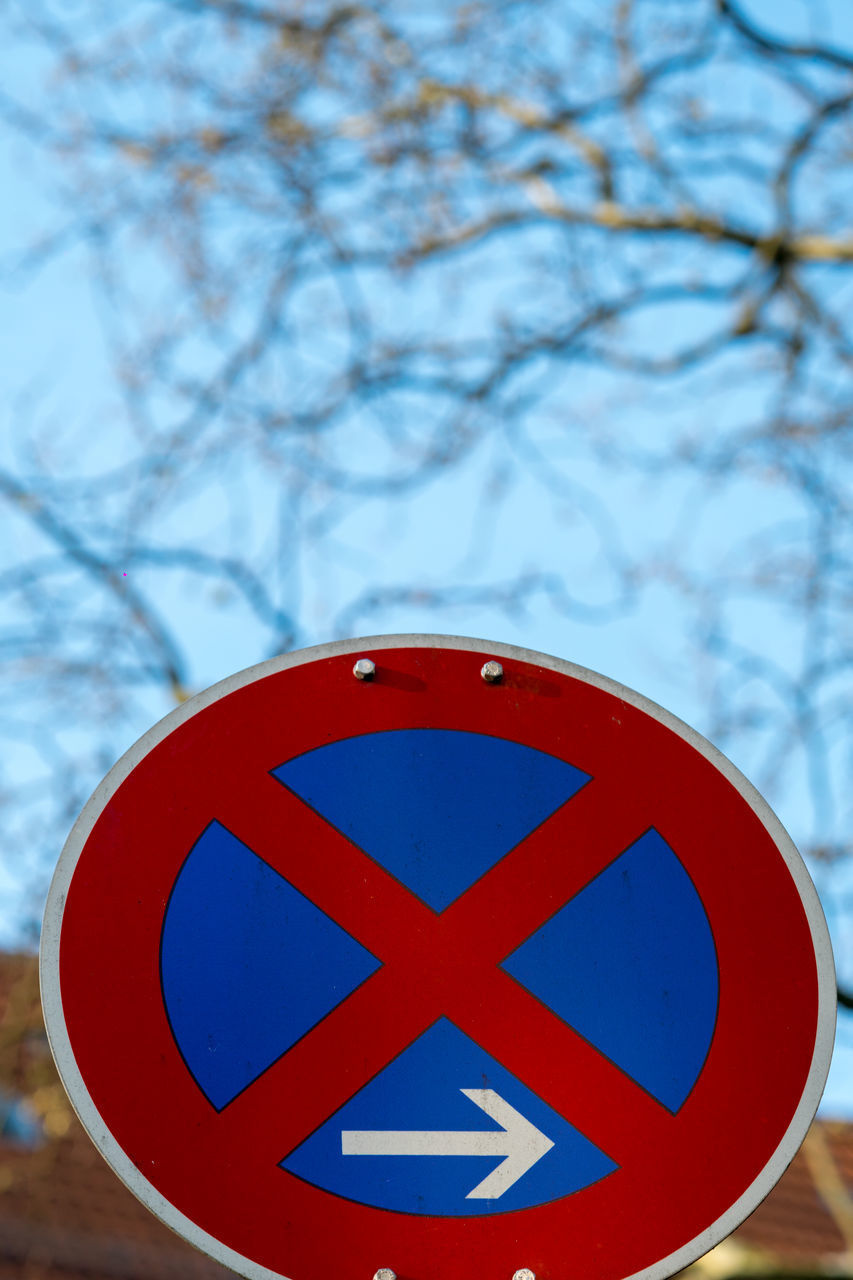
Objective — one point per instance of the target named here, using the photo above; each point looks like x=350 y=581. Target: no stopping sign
x=438 y=974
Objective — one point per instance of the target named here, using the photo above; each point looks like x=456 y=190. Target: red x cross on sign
x=436 y=965
x=644 y=975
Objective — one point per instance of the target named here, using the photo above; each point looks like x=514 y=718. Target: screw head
x=365 y=669
x=492 y=672
x=524 y=1274
x=385 y=1273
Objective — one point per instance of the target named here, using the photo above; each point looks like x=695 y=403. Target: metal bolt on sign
x=364 y=669
x=385 y=1273
x=492 y=672
x=524 y=1274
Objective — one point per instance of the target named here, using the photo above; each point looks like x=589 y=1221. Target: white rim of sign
x=49 y=951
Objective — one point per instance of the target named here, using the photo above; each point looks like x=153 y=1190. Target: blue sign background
x=249 y=965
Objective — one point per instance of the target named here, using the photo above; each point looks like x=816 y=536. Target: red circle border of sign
x=536 y=1238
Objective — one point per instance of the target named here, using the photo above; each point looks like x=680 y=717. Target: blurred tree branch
x=346 y=254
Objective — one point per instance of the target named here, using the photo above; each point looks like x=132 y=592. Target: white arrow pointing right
x=520 y=1142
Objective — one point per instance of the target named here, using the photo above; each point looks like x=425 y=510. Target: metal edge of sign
x=162 y=1208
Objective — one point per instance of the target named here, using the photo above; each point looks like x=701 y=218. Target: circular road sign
x=456 y=961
